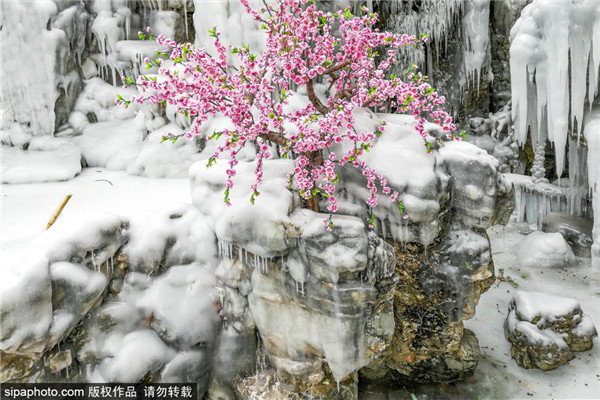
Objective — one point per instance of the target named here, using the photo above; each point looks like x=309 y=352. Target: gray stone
x=435 y=293
x=577 y=231
x=58 y=361
x=481 y=197
x=345 y=323
x=337 y=255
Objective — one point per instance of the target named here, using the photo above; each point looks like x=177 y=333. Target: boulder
x=544 y=330
x=436 y=291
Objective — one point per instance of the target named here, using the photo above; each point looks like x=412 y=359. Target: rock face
x=544 y=330
x=434 y=295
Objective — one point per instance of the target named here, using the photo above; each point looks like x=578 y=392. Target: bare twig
x=58 y=211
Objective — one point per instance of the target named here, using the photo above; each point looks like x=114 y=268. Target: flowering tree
x=300 y=50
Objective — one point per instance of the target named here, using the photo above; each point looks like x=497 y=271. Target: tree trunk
x=313 y=203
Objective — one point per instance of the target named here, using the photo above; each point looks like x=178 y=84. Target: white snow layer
x=544 y=307
x=21 y=166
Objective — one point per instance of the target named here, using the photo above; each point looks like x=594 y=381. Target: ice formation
x=541 y=41
x=592 y=137
x=435 y=18
x=50 y=35
x=555 y=65
x=476 y=38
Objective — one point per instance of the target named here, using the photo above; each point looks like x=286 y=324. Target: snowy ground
x=26 y=209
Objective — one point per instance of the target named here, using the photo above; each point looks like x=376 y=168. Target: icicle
x=112 y=268
x=94 y=261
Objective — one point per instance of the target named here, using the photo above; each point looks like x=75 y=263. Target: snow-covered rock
x=544 y=329
x=26 y=312
x=176 y=296
x=173 y=235
x=577 y=231
x=92 y=239
x=75 y=290
x=545 y=250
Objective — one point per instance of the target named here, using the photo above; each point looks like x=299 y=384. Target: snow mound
x=21 y=166
x=545 y=250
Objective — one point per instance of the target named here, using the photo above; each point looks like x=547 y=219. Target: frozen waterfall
x=555 y=45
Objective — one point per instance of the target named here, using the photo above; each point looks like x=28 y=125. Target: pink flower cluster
x=300 y=51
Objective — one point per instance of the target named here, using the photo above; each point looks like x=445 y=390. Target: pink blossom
x=299 y=50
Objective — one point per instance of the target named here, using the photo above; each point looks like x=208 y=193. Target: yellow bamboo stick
x=58 y=211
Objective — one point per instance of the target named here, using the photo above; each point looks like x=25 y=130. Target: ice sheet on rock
x=435 y=18
x=183 y=304
x=138 y=353
x=399 y=155
x=111 y=144
x=28 y=166
x=188 y=367
x=545 y=250
x=174 y=235
x=26 y=296
x=158 y=159
x=170 y=24
x=74 y=238
x=331 y=253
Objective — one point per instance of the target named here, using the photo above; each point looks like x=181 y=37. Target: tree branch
x=274 y=137
x=312 y=96
x=337 y=67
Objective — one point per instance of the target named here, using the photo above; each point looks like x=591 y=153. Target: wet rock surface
x=435 y=293
x=544 y=330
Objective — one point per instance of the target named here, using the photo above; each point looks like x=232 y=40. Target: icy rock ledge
x=544 y=330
